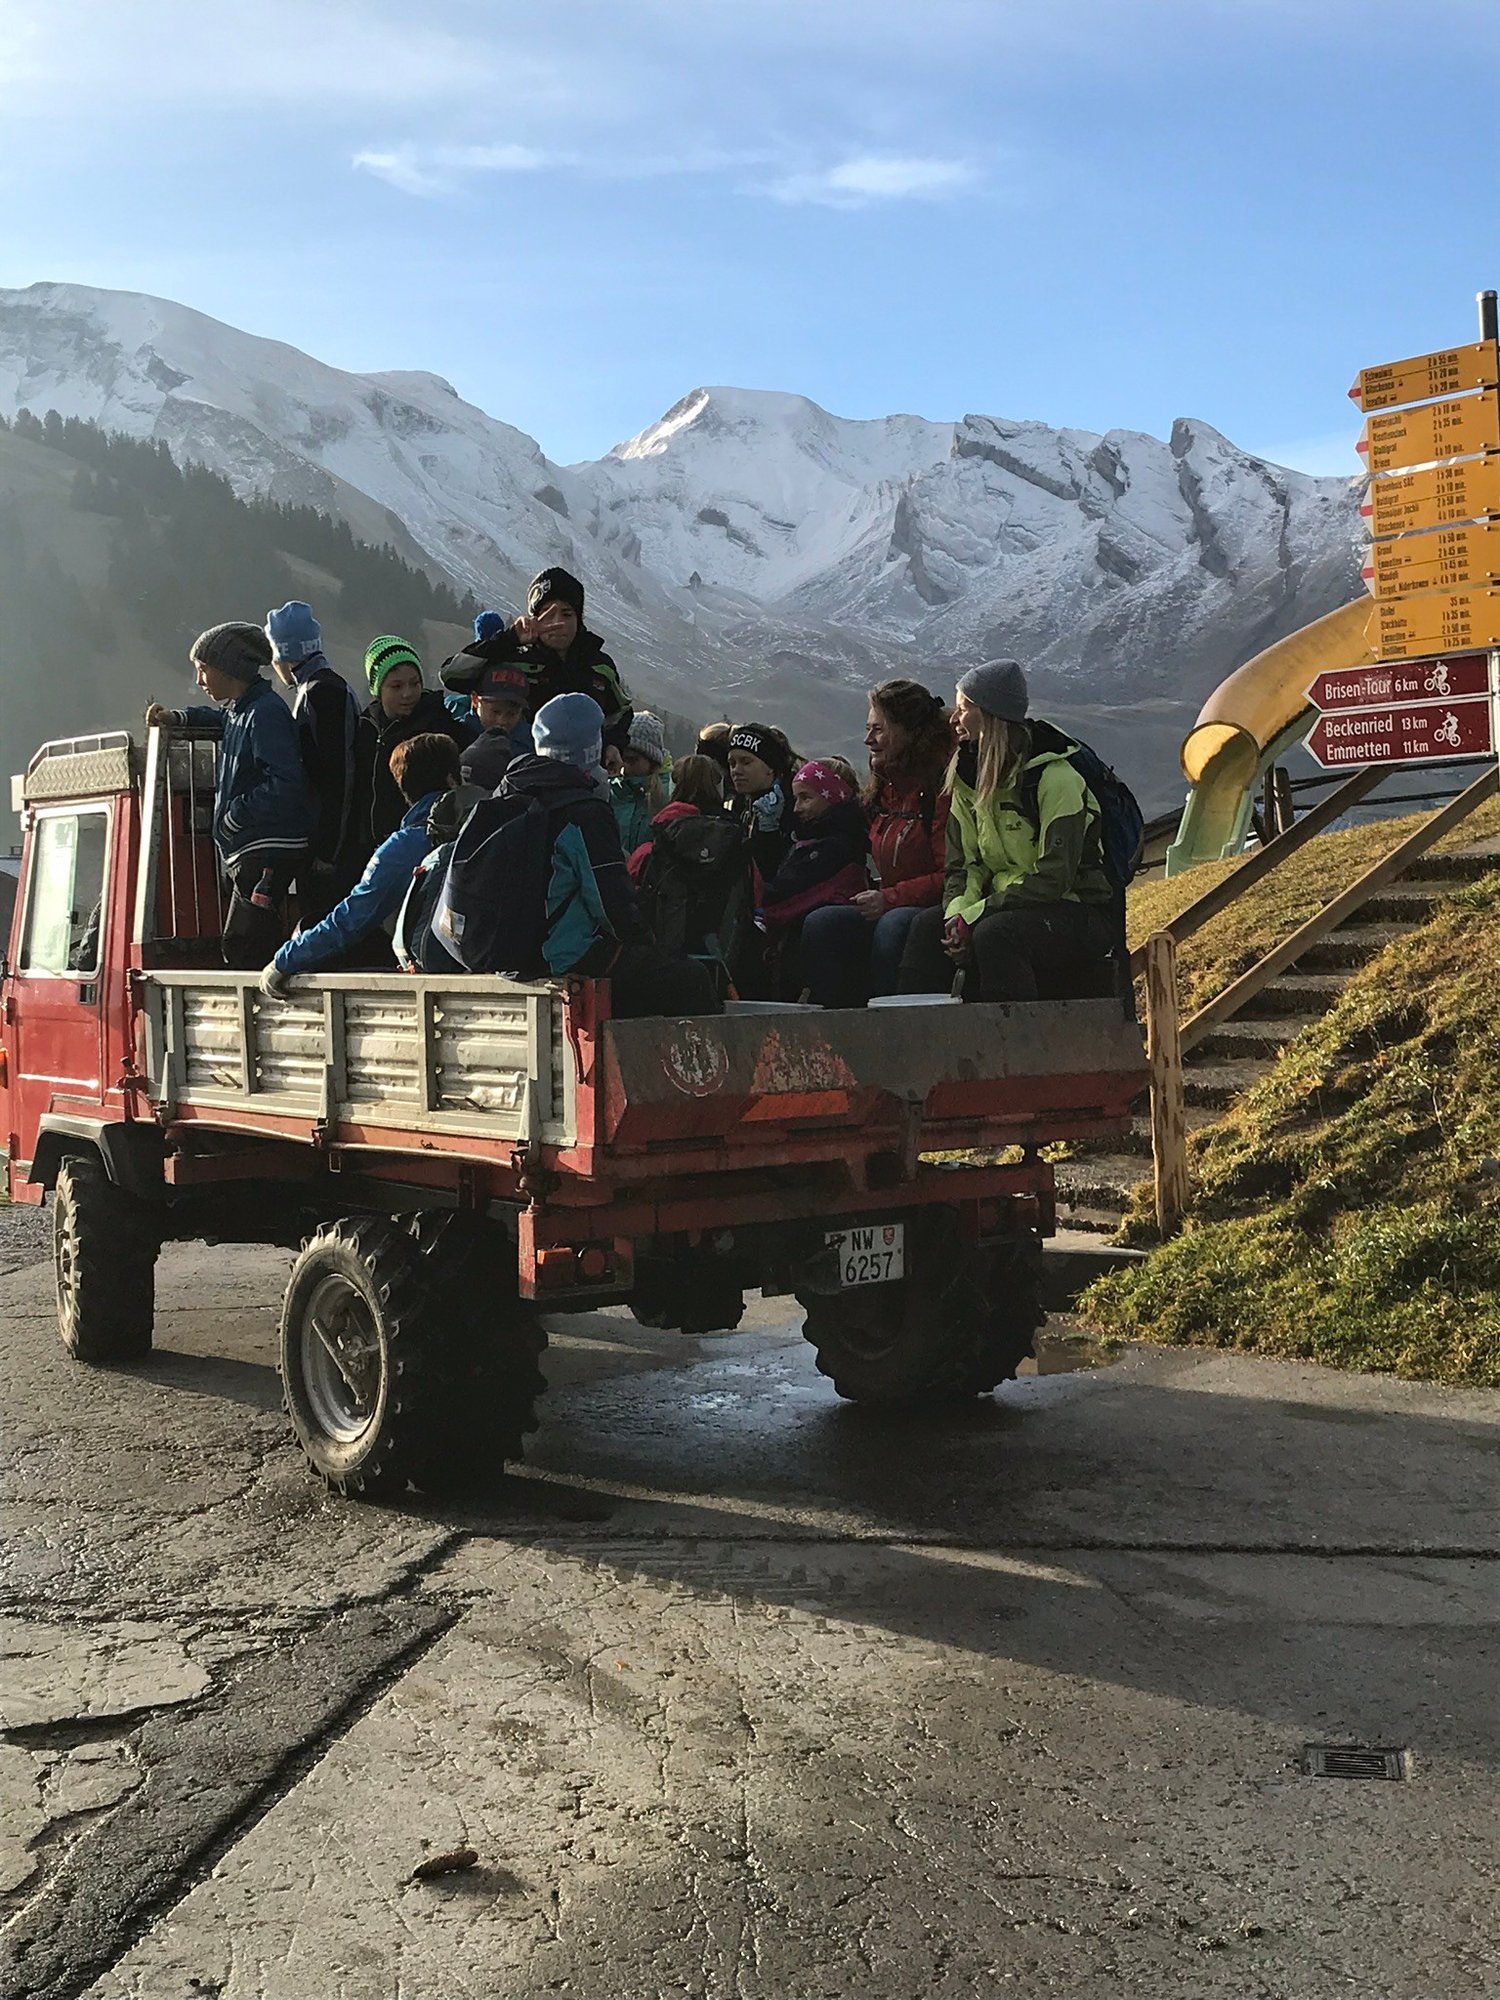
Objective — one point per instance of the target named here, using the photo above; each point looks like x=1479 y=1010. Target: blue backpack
x=1121 y=822
x=491 y=912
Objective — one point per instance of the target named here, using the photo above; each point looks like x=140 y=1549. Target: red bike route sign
x=1414 y=732
x=1454 y=677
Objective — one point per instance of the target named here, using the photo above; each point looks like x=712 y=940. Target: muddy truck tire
x=104 y=1244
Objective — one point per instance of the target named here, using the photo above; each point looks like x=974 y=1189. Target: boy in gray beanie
x=262 y=812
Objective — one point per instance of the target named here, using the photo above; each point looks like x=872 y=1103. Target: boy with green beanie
x=401 y=707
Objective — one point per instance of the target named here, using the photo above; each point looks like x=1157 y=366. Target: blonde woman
x=1026 y=912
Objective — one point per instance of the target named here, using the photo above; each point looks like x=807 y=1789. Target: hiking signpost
x=1431 y=445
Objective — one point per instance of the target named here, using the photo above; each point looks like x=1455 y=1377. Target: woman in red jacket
x=853 y=953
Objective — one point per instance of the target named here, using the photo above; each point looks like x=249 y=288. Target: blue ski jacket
x=263 y=811
x=376 y=896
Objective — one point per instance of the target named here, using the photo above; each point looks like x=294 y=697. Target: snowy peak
x=747 y=532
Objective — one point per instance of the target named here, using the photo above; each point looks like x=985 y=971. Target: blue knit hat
x=570 y=728
x=486 y=625
x=293 y=632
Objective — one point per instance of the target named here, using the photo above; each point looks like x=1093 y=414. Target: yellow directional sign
x=1442 y=621
x=1447 y=373
x=1463 y=491
x=1451 y=429
x=1450 y=559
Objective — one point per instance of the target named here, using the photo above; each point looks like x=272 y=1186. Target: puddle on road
x=1069 y=1355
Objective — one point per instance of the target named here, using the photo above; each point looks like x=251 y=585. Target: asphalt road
x=739 y=1692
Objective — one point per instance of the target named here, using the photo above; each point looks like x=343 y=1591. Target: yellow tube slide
x=1251 y=718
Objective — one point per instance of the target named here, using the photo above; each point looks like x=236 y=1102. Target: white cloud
x=436 y=170
x=870 y=177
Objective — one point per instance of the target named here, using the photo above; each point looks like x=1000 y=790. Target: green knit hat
x=384 y=653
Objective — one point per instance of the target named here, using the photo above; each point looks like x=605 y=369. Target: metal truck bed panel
x=480 y=1057
x=996 y=1067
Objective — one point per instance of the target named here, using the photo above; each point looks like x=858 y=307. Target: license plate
x=871 y=1256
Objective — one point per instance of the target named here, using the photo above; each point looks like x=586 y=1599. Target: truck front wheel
x=961 y=1323
x=104 y=1245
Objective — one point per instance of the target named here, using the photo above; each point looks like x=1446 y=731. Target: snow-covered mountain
x=749 y=552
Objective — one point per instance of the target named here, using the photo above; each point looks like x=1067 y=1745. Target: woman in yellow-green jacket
x=1027 y=910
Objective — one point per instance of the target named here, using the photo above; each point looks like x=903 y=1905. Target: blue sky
x=1094 y=212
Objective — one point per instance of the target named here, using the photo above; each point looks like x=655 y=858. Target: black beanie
x=238 y=649
x=760 y=742
x=555 y=585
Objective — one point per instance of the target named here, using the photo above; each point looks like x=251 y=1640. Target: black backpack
x=417 y=950
x=694 y=888
x=491 y=912
x=1121 y=822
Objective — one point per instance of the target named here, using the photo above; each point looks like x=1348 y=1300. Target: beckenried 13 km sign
x=1411 y=735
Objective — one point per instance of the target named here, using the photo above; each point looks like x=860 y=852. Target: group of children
x=973 y=847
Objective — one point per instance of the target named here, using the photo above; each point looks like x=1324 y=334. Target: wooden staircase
x=1094 y=1190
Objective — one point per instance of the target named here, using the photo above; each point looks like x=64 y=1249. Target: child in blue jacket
x=426 y=769
x=263 y=811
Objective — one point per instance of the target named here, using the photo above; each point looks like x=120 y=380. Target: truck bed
x=479 y=1065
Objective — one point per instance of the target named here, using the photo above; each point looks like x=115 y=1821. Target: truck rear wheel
x=492 y=1375
x=104 y=1244
x=361 y=1340
x=405 y=1358
x=962 y=1322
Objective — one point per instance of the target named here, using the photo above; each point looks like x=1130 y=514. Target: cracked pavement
x=735 y=1691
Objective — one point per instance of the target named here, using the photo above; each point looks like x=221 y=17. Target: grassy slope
x=1231 y=942
x=1348 y=1208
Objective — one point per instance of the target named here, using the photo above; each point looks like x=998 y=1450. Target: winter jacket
x=633 y=809
x=490 y=755
x=327 y=715
x=996 y=859
x=767 y=825
x=590 y=902
x=826 y=865
x=908 y=831
x=585 y=668
x=262 y=809
x=375 y=897
x=379 y=735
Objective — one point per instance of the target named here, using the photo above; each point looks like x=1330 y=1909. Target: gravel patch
x=25 y=1236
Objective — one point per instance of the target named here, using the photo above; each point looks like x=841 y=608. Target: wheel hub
x=341 y=1362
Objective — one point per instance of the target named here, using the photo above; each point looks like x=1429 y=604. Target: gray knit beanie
x=238 y=649
x=998 y=687
x=648 y=736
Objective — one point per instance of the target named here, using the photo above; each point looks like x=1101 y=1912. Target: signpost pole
x=1489 y=315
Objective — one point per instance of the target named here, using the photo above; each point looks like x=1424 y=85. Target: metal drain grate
x=1356 y=1760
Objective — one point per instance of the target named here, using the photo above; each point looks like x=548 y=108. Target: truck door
x=54 y=1021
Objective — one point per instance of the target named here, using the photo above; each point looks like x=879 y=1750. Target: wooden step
x=1218 y=1084
x=1351 y=947
x=1460 y=864
x=1100 y=1185
x=1403 y=902
x=1294 y=993
x=1235 y=1040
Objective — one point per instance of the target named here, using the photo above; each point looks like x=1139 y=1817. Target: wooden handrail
x=1169 y=1160
x=1333 y=914
x=1255 y=867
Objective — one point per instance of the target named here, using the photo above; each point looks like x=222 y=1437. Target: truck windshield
x=64 y=899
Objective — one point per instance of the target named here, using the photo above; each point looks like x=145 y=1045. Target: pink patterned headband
x=825 y=781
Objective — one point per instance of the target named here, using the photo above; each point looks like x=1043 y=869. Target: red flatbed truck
x=455 y=1155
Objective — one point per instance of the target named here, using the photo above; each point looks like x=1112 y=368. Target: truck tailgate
x=965 y=1076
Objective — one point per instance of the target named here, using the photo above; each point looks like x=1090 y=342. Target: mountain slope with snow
x=750 y=552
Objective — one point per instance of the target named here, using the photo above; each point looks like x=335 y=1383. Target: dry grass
x=1231 y=942
x=1347 y=1209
